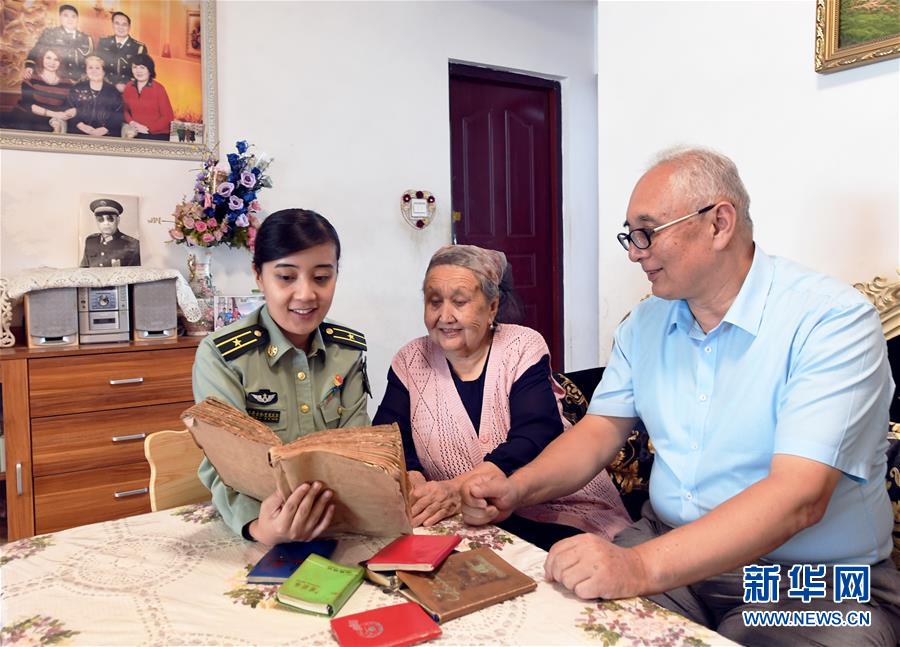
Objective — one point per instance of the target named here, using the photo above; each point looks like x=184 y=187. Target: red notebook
x=395 y=626
x=413 y=553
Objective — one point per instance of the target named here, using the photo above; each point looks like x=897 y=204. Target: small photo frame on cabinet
x=850 y=33
x=229 y=309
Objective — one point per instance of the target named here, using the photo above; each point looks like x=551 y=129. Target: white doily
x=42 y=278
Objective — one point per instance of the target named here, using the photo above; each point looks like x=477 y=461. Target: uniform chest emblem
x=263 y=396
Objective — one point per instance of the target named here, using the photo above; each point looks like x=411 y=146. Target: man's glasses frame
x=644 y=236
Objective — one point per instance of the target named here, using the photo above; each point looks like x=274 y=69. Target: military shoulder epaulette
x=238 y=342
x=343 y=336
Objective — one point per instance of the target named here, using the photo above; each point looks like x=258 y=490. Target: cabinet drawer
x=78 y=498
x=62 y=385
x=84 y=441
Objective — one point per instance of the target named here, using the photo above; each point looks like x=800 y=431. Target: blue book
x=283 y=559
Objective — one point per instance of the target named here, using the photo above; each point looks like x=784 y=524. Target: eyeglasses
x=108 y=217
x=640 y=238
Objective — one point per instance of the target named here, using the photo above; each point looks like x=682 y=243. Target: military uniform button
x=304 y=408
x=301 y=376
x=329 y=331
x=340 y=411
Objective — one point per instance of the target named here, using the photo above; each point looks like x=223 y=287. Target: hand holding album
x=364 y=467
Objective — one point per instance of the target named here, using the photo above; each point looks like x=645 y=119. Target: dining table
x=178 y=577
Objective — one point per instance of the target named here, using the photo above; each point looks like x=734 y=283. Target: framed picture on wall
x=193 y=43
x=108 y=232
x=70 y=71
x=850 y=33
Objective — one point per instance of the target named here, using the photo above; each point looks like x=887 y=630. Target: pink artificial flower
x=188 y=222
x=225 y=189
x=208 y=237
x=254 y=221
x=218 y=234
x=212 y=223
x=242 y=220
x=199 y=225
x=248 y=179
x=176 y=234
x=207 y=201
x=255 y=206
x=235 y=203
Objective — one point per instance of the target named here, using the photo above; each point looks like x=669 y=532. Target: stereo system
x=65 y=317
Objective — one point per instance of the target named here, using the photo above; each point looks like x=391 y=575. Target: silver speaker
x=51 y=317
x=154 y=310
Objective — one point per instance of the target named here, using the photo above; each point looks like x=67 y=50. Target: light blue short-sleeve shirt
x=797 y=366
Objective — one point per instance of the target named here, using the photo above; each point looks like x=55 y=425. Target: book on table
x=398 y=625
x=465 y=582
x=320 y=586
x=363 y=466
x=282 y=560
x=413 y=553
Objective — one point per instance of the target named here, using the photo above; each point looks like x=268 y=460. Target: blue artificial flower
x=242 y=147
x=233 y=161
x=249 y=196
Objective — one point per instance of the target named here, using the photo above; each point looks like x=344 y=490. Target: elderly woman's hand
x=433 y=500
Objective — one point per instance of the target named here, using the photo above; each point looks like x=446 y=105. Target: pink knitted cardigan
x=448 y=445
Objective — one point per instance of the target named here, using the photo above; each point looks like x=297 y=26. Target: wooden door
x=505 y=162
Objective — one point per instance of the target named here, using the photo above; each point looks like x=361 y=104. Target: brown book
x=464 y=583
x=363 y=466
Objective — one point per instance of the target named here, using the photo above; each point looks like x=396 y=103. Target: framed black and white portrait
x=108 y=232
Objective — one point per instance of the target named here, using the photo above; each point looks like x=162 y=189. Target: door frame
x=554 y=114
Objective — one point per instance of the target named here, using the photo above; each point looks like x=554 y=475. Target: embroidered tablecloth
x=177 y=577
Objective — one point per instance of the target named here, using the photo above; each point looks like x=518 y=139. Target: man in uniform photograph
x=118 y=50
x=110 y=247
x=73 y=46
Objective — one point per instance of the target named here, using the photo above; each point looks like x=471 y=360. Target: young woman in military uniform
x=285 y=366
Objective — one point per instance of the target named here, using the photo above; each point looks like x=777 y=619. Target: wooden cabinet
x=74 y=423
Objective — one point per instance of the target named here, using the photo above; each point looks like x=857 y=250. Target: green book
x=320 y=586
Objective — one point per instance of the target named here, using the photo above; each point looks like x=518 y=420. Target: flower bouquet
x=224 y=207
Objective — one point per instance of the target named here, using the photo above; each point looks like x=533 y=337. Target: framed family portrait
x=110 y=77
x=850 y=33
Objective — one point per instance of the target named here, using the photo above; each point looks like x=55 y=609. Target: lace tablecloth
x=43 y=278
x=177 y=577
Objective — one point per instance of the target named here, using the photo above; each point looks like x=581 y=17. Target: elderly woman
x=98 y=105
x=44 y=95
x=476 y=396
x=148 y=111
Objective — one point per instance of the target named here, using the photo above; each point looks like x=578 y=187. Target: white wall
x=352 y=101
x=818 y=153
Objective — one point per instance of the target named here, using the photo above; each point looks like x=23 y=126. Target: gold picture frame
x=832 y=55
x=193 y=148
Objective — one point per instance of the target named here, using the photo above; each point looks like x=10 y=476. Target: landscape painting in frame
x=67 y=76
x=850 y=33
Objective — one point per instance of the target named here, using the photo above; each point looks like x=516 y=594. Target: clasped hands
x=586 y=564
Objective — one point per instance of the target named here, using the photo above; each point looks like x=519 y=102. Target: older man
x=765 y=390
x=110 y=247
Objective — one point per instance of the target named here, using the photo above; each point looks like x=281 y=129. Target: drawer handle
x=19 y=478
x=122 y=495
x=129 y=380
x=122 y=439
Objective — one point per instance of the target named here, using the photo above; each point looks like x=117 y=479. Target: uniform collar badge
x=272 y=350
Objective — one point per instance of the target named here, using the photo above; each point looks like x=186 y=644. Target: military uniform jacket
x=122 y=248
x=117 y=60
x=251 y=365
x=72 y=50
